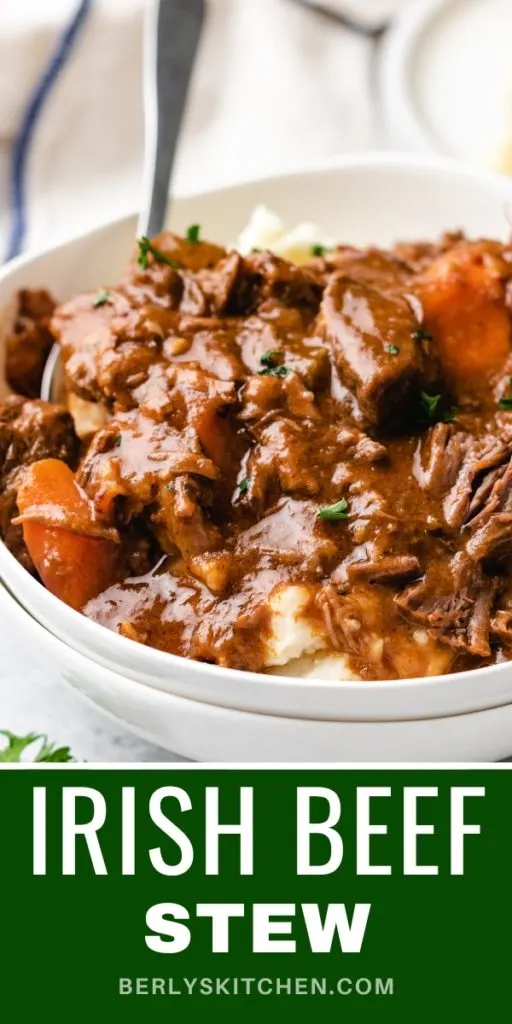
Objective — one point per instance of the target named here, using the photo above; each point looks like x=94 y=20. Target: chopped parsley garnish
x=334 y=513
x=170 y=487
x=244 y=485
x=147 y=248
x=47 y=751
x=430 y=411
x=101 y=298
x=393 y=350
x=317 y=250
x=274 y=371
x=256 y=249
x=271 y=358
x=193 y=233
x=421 y=335
x=506 y=401
x=429 y=404
x=450 y=415
x=117 y=440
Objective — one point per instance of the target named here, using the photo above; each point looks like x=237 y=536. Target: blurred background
x=277 y=83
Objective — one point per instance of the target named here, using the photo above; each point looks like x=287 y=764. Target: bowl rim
x=369 y=159
x=58 y=617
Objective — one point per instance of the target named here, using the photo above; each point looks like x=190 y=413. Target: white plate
x=371 y=197
x=446 y=78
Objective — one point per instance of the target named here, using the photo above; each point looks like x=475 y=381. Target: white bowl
x=208 y=733
x=360 y=199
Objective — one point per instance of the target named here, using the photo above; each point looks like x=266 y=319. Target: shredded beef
x=29 y=431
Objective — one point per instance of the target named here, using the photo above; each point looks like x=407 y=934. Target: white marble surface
x=33 y=698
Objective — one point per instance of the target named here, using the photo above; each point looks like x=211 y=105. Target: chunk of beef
x=360 y=625
x=131 y=459
x=473 y=477
x=265 y=278
x=491 y=526
x=29 y=431
x=359 y=447
x=374 y=267
x=108 y=349
x=29 y=343
x=454 y=601
x=285 y=460
x=352 y=622
x=181 y=521
x=390 y=569
x=437 y=461
x=184 y=255
x=210 y=290
x=278 y=337
x=290 y=535
x=485 y=460
x=373 y=337
x=501 y=625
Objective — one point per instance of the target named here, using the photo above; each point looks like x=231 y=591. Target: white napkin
x=275 y=84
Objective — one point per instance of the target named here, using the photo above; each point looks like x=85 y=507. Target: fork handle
x=171 y=35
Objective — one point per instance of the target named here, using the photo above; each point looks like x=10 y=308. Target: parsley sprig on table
x=48 y=752
x=147 y=248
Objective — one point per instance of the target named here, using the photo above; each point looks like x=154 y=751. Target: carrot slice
x=73 y=562
x=463 y=299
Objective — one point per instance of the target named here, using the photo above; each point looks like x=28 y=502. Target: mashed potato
x=266 y=230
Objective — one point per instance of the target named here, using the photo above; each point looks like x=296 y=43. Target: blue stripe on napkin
x=21 y=146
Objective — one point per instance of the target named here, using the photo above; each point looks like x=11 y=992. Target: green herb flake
x=421 y=335
x=146 y=248
x=256 y=249
x=47 y=752
x=429 y=404
x=193 y=233
x=393 y=350
x=450 y=415
x=117 y=440
x=274 y=371
x=317 y=250
x=506 y=401
x=334 y=513
x=244 y=485
x=271 y=358
x=101 y=298
x=170 y=487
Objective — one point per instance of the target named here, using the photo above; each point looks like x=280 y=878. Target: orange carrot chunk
x=74 y=562
x=463 y=299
